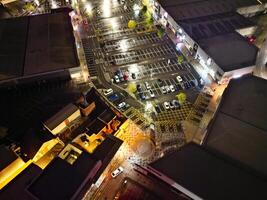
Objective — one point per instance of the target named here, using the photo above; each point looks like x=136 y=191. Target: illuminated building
x=213 y=33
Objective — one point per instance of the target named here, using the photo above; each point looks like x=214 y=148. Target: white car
x=116 y=172
x=172 y=88
x=108 y=92
x=166 y=105
x=147 y=86
x=179 y=79
x=168 y=89
x=163 y=89
x=152 y=94
x=121 y=105
x=116 y=79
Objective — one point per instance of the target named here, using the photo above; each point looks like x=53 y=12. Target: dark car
x=176 y=104
x=160 y=82
x=157 y=108
x=192 y=83
x=142 y=96
x=139 y=88
x=133 y=76
x=113 y=97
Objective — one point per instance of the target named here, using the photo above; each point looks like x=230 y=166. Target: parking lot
x=142 y=57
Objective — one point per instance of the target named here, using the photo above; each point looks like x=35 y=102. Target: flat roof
x=210 y=26
x=61 y=116
x=61 y=180
x=230 y=51
x=16 y=188
x=188 y=9
x=209 y=176
x=197 y=9
x=34 y=44
x=3 y=12
x=239 y=129
x=6 y=157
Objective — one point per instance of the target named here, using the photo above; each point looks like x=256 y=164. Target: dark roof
x=239 y=129
x=230 y=51
x=106 y=151
x=107 y=115
x=188 y=9
x=108 y=148
x=219 y=24
x=209 y=176
x=32 y=141
x=3 y=12
x=6 y=157
x=16 y=188
x=34 y=44
x=61 y=180
x=95 y=126
x=60 y=116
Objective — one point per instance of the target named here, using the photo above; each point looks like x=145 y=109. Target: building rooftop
x=16 y=188
x=210 y=26
x=195 y=9
x=230 y=51
x=3 y=12
x=32 y=141
x=61 y=116
x=189 y=9
x=61 y=180
x=34 y=45
x=239 y=129
x=209 y=176
x=6 y=157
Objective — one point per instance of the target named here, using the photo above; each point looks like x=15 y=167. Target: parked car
x=147 y=86
x=113 y=97
x=133 y=76
x=152 y=94
x=172 y=88
x=116 y=79
x=160 y=82
x=179 y=79
x=142 y=96
x=121 y=105
x=108 y=92
x=168 y=89
x=163 y=90
x=166 y=105
x=157 y=108
x=139 y=88
x=117 y=172
x=176 y=104
x=171 y=105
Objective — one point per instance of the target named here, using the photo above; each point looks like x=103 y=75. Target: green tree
x=132 y=24
x=28 y=7
x=131 y=88
x=181 y=97
x=180 y=59
x=161 y=32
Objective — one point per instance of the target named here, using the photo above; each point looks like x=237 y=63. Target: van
x=108 y=92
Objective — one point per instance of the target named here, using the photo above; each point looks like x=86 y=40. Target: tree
x=132 y=24
x=181 y=97
x=29 y=7
x=180 y=59
x=131 y=88
x=148 y=19
x=144 y=10
x=161 y=32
